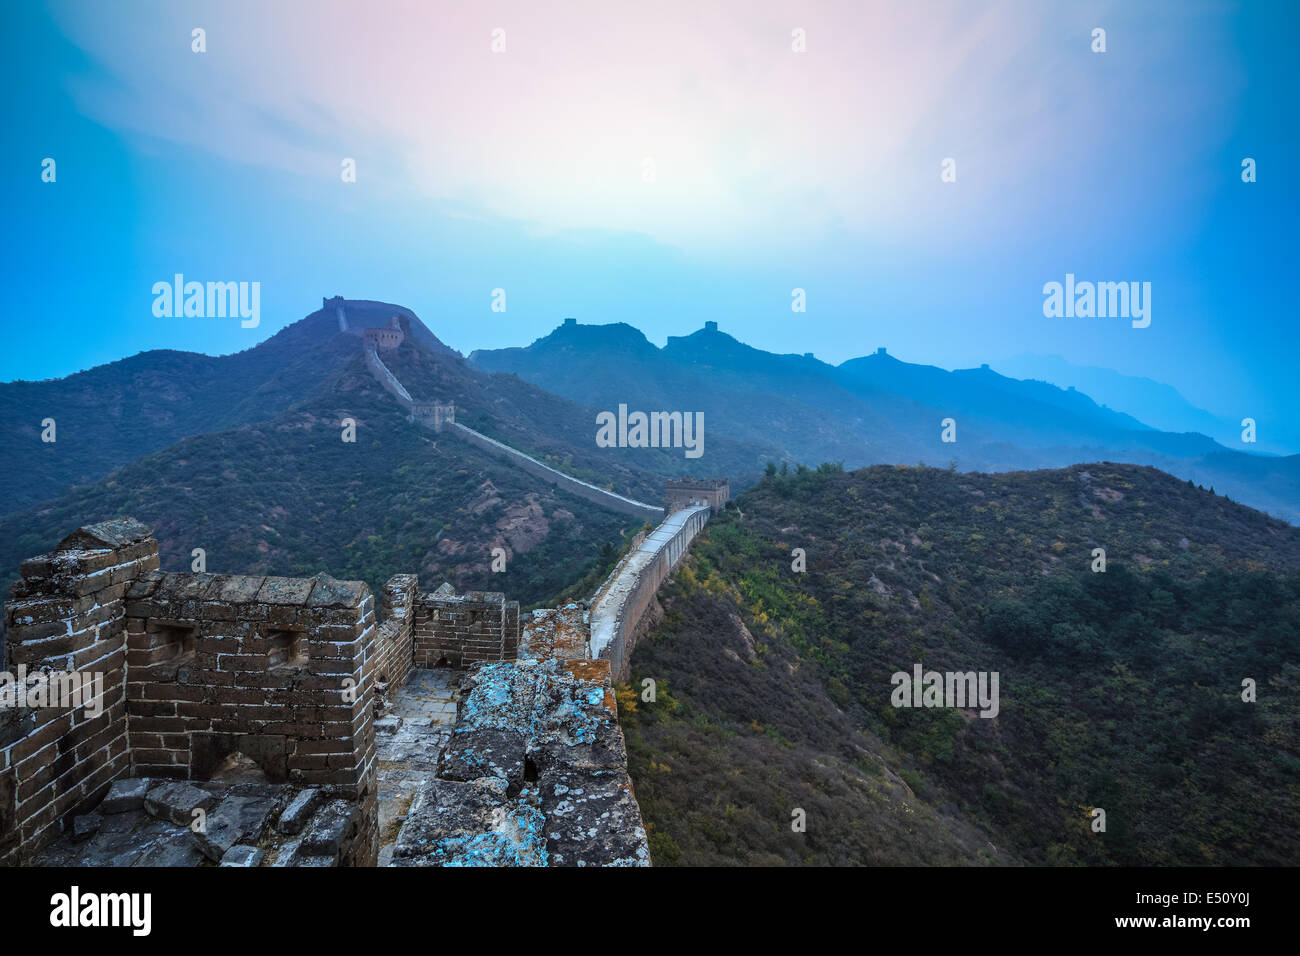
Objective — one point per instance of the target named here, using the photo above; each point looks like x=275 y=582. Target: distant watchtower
x=387 y=337
x=436 y=414
x=684 y=492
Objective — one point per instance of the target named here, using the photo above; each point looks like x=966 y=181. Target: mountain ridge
x=877 y=408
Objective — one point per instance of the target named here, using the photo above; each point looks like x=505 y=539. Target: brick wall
x=196 y=668
x=389 y=338
x=684 y=492
x=457 y=630
x=274 y=668
x=394 y=653
x=67 y=613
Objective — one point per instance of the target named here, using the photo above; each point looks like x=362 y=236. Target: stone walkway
x=409 y=738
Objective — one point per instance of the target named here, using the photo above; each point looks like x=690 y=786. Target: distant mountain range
x=241 y=455
x=1159 y=405
x=878 y=409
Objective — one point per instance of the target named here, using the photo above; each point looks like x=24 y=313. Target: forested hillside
x=1120 y=690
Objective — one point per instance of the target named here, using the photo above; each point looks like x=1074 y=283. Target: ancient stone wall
x=394 y=641
x=433 y=414
x=629 y=592
x=273 y=668
x=684 y=492
x=442 y=418
x=67 y=613
x=585 y=491
x=535 y=773
x=385 y=377
x=456 y=630
x=202 y=673
x=383 y=338
x=196 y=669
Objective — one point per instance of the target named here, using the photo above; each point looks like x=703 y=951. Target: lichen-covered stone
x=328 y=829
x=474 y=823
x=475 y=752
x=592 y=819
x=557 y=718
x=606 y=750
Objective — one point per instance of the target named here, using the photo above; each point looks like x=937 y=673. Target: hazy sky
x=527 y=170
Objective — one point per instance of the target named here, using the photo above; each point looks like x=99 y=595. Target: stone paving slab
x=418 y=724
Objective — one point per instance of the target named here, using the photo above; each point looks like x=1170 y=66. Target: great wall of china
x=271 y=721
x=442 y=418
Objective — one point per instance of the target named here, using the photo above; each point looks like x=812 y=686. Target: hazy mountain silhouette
x=878 y=409
x=242 y=456
x=1159 y=405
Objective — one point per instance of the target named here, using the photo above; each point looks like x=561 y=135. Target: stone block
x=235 y=820
x=328 y=829
x=300 y=810
x=127 y=794
x=605 y=750
x=592 y=819
x=287 y=854
x=485 y=752
x=175 y=849
x=243 y=856
x=177 y=802
x=330 y=592
x=116 y=533
x=238 y=589
x=86 y=826
x=453 y=823
x=285 y=591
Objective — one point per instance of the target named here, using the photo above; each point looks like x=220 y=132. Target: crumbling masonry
x=254 y=701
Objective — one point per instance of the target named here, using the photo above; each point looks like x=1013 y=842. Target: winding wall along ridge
x=622 y=601
x=583 y=489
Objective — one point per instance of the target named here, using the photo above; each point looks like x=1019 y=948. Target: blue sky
x=525 y=170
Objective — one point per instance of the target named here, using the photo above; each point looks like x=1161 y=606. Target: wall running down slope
x=620 y=605
x=386 y=378
x=588 y=492
x=584 y=490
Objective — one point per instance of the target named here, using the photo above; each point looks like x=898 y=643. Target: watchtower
x=683 y=492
